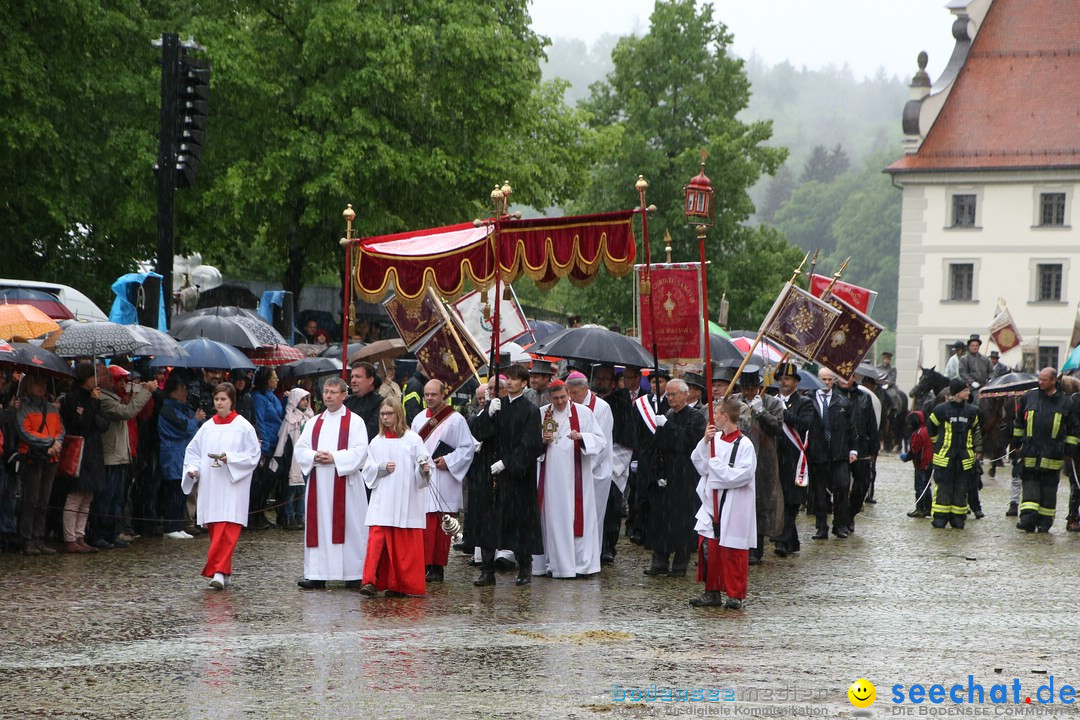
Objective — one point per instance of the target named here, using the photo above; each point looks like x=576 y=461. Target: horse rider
x=974 y=367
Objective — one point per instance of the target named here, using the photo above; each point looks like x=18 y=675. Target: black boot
x=709 y=598
x=486 y=578
x=524 y=562
x=306 y=584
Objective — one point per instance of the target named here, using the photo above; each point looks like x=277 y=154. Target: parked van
x=81 y=306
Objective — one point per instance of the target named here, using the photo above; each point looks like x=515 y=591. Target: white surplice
x=223 y=491
x=566 y=556
x=602 y=464
x=729 y=482
x=445 y=493
x=398 y=499
x=331 y=561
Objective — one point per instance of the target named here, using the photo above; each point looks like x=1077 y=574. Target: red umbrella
x=43 y=301
x=275 y=355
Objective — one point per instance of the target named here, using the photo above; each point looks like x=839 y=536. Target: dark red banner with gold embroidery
x=413 y=321
x=849 y=341
x=676 y=302
x=449 y=355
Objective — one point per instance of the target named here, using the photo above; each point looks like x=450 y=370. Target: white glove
x=498 y=467
x=494 y=406
x=756 y=405
x=661 y=421
x=974 y=386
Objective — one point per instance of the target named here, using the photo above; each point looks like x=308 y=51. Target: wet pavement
x=134 y=634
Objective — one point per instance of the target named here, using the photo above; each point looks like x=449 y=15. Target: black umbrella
x=723 y=350
x=334 y=351
x=310 y=367
x=1012 y=383
x=205 y=353
x=596 y=345
x=218 y=328
x=33 y=359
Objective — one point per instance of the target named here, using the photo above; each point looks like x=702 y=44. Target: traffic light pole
x=166 y=167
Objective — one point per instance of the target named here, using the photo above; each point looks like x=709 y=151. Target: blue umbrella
x=204 y=353
x=1073 y=361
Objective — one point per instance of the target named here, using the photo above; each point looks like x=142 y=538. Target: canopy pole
x=349 y=214
x=641 y=186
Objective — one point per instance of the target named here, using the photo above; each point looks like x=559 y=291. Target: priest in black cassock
x=505 y=513
x=672 y=496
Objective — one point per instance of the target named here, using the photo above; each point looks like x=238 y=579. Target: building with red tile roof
x=989 y=179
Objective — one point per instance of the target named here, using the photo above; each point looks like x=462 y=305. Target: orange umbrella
x=24 y=322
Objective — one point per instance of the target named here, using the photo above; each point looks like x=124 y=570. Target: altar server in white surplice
x=446 y=436
x=331 y=453
x=573 y=441
x=398 y=470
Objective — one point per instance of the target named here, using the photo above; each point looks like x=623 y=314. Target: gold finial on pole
x=835 y=278
x=667 y=245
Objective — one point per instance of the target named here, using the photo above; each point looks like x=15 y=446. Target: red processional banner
x=676 y=301
x=857 y=297
x=1003 y=331
x=413 y=321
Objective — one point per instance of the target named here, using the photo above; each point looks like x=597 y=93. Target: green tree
x=673 y=92
x=408 y=110
x=77 y=117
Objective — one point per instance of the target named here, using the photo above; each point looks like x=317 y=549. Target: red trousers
x=223 y=537
x=726 y=569
x=393 y=559
x=436 y=542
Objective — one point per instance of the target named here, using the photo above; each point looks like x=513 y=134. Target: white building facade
x=989 y=183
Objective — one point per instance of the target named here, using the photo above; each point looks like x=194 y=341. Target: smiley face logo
x=862 y=693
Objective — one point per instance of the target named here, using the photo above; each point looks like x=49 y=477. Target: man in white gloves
x=510 y=432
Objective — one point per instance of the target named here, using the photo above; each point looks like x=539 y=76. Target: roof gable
x=1016 y=102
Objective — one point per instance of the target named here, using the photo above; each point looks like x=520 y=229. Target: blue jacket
x=268 y=415
x=176 y=427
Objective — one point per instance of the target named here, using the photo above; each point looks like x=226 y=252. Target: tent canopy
x=445 y=258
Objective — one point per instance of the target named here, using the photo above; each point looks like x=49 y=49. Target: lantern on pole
x=699 y=212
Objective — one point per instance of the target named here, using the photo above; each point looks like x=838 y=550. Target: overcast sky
x=865 y=34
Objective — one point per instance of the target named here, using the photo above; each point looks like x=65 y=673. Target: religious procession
x=762 y=376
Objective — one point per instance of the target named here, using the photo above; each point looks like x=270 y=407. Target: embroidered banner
x=857 y=297
x=849 y=341
x=676 y=301
x=1003 y=331
x=478 y=318
x=413 y=321
x=450 y=355
x=800 y=322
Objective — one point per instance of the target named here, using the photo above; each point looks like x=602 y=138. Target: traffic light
x=192 y=110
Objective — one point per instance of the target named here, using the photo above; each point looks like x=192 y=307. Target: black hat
x=541 y=367
x=886 y=352
x=785 y=369
x=725 y=371
x=958 y=344
x=974 y=338
x=956 y=385
x=751 y=376
x=664 y=372
x=695 y=379
x=994 y=354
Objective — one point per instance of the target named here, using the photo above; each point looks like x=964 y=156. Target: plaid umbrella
x=43 y=301
x=97 y=339
x=23 y=322
x=275 y=355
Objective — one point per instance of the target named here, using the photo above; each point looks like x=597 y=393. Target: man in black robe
x=790 y=453
x=623 y=433
x=502 y=489
x=365 y=399
x=672 y=496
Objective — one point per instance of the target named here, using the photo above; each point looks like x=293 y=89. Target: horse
x=996 y=417
x=894 y=410
x=928 y=392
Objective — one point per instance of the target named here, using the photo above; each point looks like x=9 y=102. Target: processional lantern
x=699 y=199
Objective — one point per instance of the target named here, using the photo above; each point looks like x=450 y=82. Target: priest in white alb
x=577 y=385
x=445 y=434
x=331 y=453
x=398 y=470
x=573 y=441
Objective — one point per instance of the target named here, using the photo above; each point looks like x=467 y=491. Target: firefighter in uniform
x=954 y=428
x=1045 y=429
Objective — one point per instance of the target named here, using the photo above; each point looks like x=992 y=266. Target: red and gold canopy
x=544 y=249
